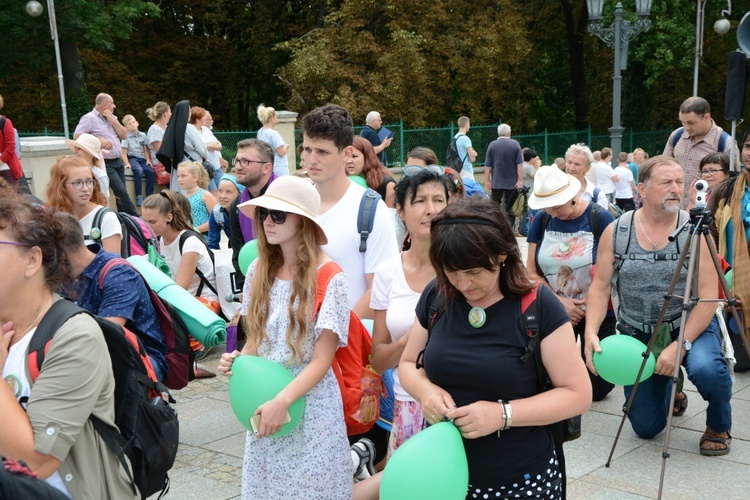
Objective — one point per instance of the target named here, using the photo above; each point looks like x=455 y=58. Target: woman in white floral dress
x=312 y=461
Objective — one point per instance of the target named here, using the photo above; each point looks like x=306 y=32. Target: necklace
x=654 y=245
x=41 y=311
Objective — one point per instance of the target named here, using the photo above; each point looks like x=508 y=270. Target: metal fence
x=549 y=145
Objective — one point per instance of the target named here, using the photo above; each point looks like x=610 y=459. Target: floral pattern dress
x=313 y=461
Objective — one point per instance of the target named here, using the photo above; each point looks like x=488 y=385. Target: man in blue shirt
x=466 y=152
x=370 y=132
x=123 y=297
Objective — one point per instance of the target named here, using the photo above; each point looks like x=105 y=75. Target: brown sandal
x=680 y=405
x=723 y=438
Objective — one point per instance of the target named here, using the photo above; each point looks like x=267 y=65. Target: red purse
x=162 y=176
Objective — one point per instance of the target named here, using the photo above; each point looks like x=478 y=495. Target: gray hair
x=581 y=149
x=372 y=116
x=503 y=130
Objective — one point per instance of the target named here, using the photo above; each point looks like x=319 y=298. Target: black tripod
x=697 y=225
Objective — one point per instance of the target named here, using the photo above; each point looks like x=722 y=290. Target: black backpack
x=452 y=158
x=137 y=235
x=148 y=425
x=18 y=481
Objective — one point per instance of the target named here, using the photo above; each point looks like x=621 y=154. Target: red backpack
x=360 y=385
x=179 y=364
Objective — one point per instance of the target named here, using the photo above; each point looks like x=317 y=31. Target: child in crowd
x=185 y=252
x=218 y=219
x=193 y=181
x=137 y=157
x=313 y=460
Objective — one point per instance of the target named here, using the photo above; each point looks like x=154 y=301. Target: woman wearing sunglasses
x=277 y=308
x=73 y=189
x=364 y=162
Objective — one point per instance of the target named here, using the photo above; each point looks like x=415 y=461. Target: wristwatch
x=687 y=345
x=507 y=415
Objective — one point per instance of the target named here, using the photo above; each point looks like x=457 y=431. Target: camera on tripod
x=701 y=192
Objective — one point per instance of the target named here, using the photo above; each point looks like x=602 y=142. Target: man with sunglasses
x=253 y=168
x=328 y=134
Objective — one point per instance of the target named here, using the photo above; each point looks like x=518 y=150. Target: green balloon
x=621 y=358
x=256 y=380
x=728 y=276
x=358 y=179
x=248 y=253
x=431 y=464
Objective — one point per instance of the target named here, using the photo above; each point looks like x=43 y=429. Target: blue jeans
x=139 y=166
x=706 y=369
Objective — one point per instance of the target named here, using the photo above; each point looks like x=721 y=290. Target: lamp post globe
x=34 y=8
x=721 y=26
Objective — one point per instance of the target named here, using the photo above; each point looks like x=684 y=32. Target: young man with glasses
x=253 y=168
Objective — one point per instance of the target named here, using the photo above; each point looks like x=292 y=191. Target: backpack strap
x=595 y=220
x=326 y=272
x=455 y=141
x=60 y=312
x=366 y=217
x=204 y=281
x=529 y=318
x=595 y=195
x=97 y=224
x=623 y=229
x=435 y=308
x=677 y=136
x=723 y=141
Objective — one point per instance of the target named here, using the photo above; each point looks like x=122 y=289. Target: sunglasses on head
x=277 y=216
x=410 y=170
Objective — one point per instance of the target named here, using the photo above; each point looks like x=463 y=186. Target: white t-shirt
x=604 y=175
x=15 y=375
x=588 y=194
x=274 y=139
x=391 y=293
x=110 y=225
x=173 y=257
x=213 y=156
x=623 y=189
x=340 y=226
x=155 y=134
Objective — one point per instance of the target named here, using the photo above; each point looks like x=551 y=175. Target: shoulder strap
x=325 y=274
x=60 y=312
x=623 y=228
x=595 y=196
x=97 y=224
x=204 y=281
x=529 y=317
x=677 y=136
x=366 y=217
x=435 y=308
x=723 y=141
x=595 y=220
x=108 y=267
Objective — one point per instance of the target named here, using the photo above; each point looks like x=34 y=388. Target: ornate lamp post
x=34 y=8
x=721 y=27
x=618 y=35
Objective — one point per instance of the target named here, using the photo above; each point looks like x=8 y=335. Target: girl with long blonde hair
x=281 y=325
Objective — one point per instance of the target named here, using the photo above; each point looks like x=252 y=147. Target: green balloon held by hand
x=621 y=358
x=255 y=381
x=248 y=253
x=431 y=464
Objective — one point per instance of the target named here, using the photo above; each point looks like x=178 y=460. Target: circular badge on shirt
x=96 y=233
x=477 y=317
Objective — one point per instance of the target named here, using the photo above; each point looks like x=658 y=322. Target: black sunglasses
x=410 y=170
x=277 y=216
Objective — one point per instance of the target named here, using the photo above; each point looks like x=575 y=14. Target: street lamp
x=618 y=35
x=34 y=8
x=721 y=27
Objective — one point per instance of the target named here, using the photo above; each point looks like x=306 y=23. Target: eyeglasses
x=78 y=184
x=277 y=216
x=15 y=244
x=245 y=162
x=410 y=170
x=711 y=171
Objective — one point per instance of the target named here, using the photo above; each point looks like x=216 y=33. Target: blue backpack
x=366 y=217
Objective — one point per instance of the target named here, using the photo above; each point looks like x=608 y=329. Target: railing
x=549 y=145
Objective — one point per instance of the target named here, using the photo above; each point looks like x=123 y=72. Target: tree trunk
x=575 y=33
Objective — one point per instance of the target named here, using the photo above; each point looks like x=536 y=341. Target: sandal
x=718 y=438
x=680 y=404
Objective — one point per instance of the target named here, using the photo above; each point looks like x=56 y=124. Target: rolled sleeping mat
x=202 y=323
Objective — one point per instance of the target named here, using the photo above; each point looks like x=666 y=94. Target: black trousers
x=506 y=198
x=116 y=173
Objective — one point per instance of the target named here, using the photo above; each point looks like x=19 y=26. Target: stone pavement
x=212 y=443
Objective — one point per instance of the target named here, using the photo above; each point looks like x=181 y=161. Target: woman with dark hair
x=47 y=422
x=473 y=371
x=365 y=162
x=396 y=288
x=714 y=169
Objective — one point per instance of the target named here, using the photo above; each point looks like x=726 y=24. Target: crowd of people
x=438 y=270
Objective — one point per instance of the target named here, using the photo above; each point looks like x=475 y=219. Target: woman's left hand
x=477 y=419
x=7 y=334
x=272 y=415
